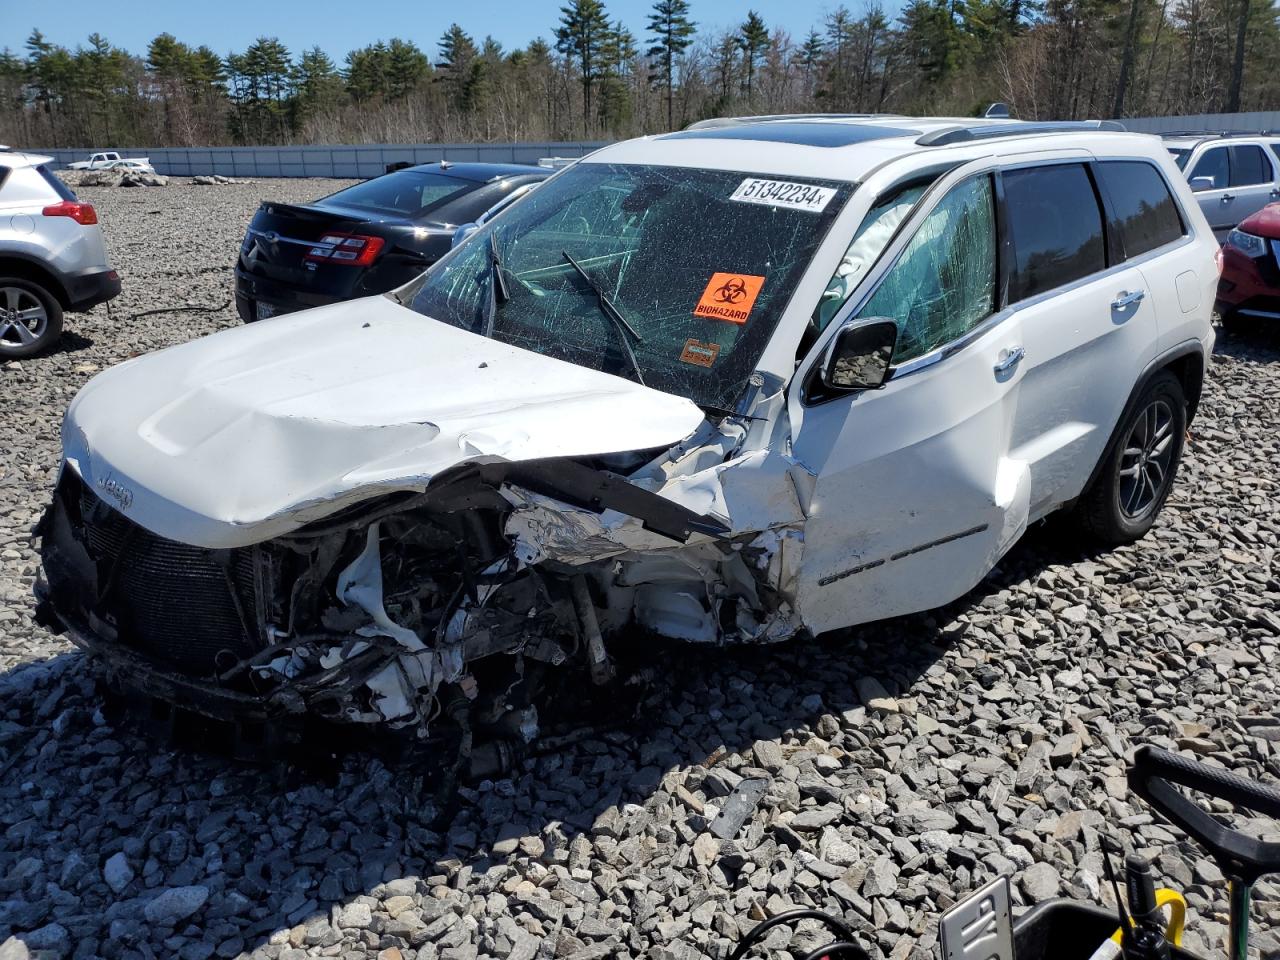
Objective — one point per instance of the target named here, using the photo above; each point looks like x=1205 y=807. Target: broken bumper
x=401 y=608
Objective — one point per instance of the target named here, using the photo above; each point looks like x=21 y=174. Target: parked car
x=464 y=231
x=129 y=166
x=1232 y=175
x=366 y=239
x=1249 y=289
x=52 y=257
x=101 y=161
x=720 y=385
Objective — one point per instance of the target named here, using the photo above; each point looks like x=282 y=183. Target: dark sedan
x=368 y=238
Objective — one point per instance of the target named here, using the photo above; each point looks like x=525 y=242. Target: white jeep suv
x=726 y=384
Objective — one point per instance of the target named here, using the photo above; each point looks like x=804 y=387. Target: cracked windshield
x=669 y=276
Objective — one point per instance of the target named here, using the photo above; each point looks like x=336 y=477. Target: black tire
x=1136 y=478
x=1233 y=323
x=30 y=318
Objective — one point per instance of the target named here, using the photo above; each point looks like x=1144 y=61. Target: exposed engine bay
x=413 y=606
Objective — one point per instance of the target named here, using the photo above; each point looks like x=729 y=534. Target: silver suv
x=1233 y=175
x=52 y=258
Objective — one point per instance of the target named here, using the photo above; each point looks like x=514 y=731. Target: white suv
x=52 y=256
x=725 y=384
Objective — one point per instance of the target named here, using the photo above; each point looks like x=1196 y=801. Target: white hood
x=252 y=432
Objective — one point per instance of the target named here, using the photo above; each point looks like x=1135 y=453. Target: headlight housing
x=1247 y=243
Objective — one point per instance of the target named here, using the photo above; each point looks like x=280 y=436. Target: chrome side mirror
x=1201 y=184
x=464 y=231
x=860 y=355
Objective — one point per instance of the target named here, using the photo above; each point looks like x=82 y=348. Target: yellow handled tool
x=1177 y=905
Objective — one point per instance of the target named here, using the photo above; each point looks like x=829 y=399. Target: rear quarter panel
x=1183 y=279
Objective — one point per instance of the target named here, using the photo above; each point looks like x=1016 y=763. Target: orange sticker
x=700 y=354
x=729 y=296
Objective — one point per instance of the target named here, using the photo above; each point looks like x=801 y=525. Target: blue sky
x=339 y=25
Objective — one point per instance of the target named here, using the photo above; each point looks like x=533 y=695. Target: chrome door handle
x=1228 y=197
x=1010 y=360
x=1128 y=299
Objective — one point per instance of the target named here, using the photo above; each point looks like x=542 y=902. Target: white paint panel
x=251 y=432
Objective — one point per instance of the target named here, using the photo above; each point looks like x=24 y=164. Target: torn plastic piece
x=361 y=584
x=739 y=807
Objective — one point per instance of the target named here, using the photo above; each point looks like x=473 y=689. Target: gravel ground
x=906 y=763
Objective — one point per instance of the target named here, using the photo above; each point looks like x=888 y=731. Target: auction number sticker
x=784 y=193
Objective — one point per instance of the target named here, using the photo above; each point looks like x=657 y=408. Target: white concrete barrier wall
x=1207 y=123
x=368 y=160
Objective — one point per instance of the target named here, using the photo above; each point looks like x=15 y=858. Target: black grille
x=175 y=602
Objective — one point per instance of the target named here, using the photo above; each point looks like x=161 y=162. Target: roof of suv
x=14 y=160
x=846 y=147
x=1189 y=140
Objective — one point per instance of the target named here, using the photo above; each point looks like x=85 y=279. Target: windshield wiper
x=499 y=293
x=619 y=322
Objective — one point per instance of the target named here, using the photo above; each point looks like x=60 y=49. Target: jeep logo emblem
x=117 y=491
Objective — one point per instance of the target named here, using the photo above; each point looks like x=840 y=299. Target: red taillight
x=346 y=249
x=81 y=213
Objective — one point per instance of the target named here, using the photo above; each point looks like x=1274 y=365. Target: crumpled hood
x=249 y=433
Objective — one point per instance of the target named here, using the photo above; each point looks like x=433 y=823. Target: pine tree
x=581 y=36
x=811 y=53
x=753 y=39
x=672 y=33
x=458 y=54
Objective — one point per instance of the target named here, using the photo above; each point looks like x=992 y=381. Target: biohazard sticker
x=784 y=193
x=729 y=296
x=700 y=354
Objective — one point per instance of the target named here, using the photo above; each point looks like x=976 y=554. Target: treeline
x=598 y=77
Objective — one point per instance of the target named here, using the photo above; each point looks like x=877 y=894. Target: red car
x=1250 y=283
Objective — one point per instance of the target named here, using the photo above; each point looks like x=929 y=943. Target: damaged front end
x=409 y=606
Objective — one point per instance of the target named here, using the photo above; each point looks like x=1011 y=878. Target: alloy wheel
x=1145 y=461
x=23 y=317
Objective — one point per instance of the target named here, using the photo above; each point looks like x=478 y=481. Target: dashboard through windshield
x=672 y=276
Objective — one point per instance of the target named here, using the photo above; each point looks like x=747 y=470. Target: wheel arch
x=26 y=268
x=1186 y=362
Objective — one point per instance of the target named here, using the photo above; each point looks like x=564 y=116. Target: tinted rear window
x=1180 y=155
x=61 y=188
x=1056 y=227
x=1146 y=215
x=1249 y=165
x=406 y=193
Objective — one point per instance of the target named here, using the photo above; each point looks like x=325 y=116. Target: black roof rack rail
x=991 y=131
x=1217 y=134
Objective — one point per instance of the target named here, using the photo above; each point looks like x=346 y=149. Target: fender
x=41 y=269
x=1189 y=352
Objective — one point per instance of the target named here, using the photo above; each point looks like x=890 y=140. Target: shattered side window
x=944 y=284
x=873 y=235
x=696 y=267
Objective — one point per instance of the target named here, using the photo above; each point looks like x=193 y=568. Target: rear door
x=1147 y=226
x=914 y=498
x=1088 y=326
x=1253 y=179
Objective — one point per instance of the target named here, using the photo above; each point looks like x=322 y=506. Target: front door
x=914 y=498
